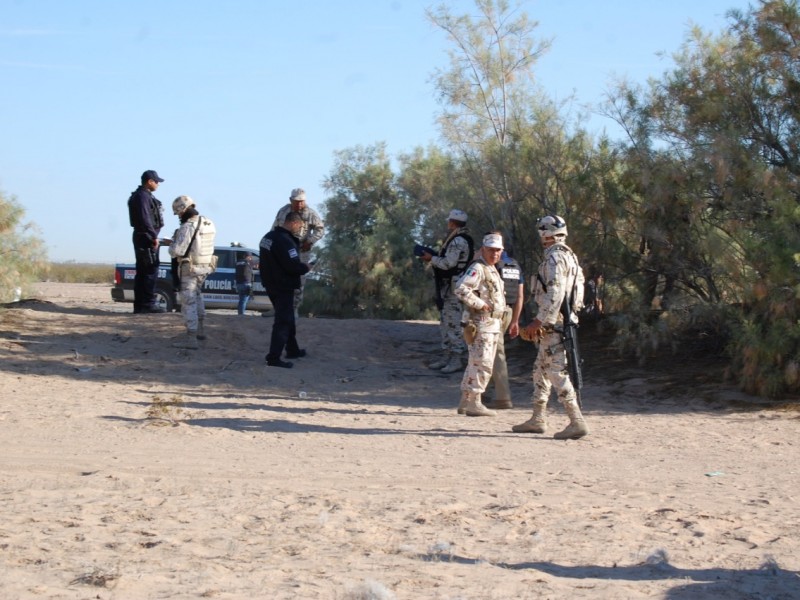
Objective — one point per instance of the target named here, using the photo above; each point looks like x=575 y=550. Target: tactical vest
x=158 y=214
x=574 y=294
x=203 y=246
x=511 y=274
x=462 y=264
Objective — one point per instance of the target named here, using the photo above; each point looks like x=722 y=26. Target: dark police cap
x=147 y=175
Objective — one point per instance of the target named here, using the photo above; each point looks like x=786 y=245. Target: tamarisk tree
x=22 y=253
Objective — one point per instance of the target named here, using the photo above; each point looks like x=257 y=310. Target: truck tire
x=164 y=298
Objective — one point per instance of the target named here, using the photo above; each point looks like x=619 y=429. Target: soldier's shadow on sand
x=46 y=306
x=392 y=360
x=767 y=582
x=242 y=424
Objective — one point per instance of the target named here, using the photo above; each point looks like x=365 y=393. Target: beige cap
x=457 y=215
x=493 y=240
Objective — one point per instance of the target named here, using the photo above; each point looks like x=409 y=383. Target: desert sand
x=131 y=469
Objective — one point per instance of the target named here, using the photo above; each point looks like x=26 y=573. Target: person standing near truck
x=193 y=247
x=244 y=281
x=146 y=215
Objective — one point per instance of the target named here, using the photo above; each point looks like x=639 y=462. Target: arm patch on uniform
x=293 y=253
x=472 y=273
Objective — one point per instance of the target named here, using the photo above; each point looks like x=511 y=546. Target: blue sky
x=236 y=103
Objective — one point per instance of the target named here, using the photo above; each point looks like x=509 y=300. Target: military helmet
x=552 y=226
x=181 y=203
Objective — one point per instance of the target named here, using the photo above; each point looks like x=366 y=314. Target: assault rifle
x=574 y=361
x=419 y=250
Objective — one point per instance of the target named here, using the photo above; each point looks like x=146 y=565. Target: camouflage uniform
x=562 y=276
x=310 y=233
x=479 y=286
x=457 y=253
x=193 y=269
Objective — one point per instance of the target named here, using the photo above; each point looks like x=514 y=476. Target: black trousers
x=283 y=328
x=144 y=284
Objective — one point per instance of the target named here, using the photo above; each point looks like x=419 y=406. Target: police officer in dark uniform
x=514 y=283
x=147 y=218
x=281 y=268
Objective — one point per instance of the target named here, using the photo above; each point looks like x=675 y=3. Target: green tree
x=433 y=184
x=519 y=155
x=22 y=253
x=368 y=260
x=489 y=99
x=713 y=159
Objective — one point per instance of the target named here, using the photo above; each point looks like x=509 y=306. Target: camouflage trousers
x=481 y=360
x=550 y=372
x=450 y=326
x=192 y=306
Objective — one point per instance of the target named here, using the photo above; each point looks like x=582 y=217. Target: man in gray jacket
x=309 y=233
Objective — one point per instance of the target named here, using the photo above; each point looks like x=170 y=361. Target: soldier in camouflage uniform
x=310 y=232
x=560 y=279
x=514 y=286
x=448 y=266
x=481 y=291
x=193 y=247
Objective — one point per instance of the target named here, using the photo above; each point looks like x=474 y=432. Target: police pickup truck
x=219 y=288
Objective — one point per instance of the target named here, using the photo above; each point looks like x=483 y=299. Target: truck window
x=225 y=259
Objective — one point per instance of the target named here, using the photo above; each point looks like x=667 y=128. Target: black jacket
x=244 y=272
x=279 y=261
x=146 y=213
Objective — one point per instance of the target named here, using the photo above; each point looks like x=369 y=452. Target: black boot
x=277 y=362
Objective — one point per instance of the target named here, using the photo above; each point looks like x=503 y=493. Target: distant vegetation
x=22 y=252
x=71 y=272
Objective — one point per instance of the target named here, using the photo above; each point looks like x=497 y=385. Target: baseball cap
x=151 y=175
x=457 y=215
x=298 y=194
x=493 y=240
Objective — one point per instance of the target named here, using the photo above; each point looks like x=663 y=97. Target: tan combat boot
x=201 y=332
x=475 y=407
x=188 y=340
x=577 y=426
x=438 y=364
x=454 y=364
x=462 y=403
x=536 y=424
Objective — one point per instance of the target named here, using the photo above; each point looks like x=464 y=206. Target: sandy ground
x=131 y=469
